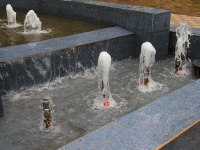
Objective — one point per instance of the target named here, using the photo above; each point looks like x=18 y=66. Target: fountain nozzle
x=146 y=77
x=106 y=103
x=177 y=65
x=47 y=112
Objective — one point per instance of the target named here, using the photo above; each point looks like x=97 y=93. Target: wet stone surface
x=74 y=111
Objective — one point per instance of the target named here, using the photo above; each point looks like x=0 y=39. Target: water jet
x=182 y=45
x=104 y=94
x=33 y=22
x=11 y=16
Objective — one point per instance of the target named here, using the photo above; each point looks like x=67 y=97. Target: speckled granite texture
x=148 y=23
x=189 y=140
x=193 y=50
x=28 y=64
x=147 y=127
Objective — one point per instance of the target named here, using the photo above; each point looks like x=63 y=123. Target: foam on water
x=13 y=26
x=152 y=86
x=4 y=25
x=28 y=32
x=186 y=69
x=117 y=103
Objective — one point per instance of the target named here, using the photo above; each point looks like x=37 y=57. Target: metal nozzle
x=47 y=112
x=177 y=65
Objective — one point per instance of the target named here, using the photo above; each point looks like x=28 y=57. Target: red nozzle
x=106 y=103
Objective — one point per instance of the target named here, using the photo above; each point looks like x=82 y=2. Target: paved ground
x=191 y=20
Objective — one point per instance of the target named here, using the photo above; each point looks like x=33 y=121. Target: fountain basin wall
x=193 y=50
x=35 y=63
x=149 y=24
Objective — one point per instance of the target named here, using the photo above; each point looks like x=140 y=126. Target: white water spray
x=11 y=16
x=147 y=58
x=104 y=94
x=33 y=22
x=182 y=33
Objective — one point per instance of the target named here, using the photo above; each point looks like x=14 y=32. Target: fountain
x=71 y=112
x=11 y=16
x=182 y=33
x=147 y=58
x=47 y=112
x=33 y=22
x=104 y=95
x=50 y=29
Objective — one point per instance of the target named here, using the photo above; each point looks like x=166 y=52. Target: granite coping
x=130 y=17
x=147 y=127
x=19 y=51
x=122 y=6
x=194 y=31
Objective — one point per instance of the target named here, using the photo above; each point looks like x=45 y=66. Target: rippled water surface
x=74 y=105
x=52 y=27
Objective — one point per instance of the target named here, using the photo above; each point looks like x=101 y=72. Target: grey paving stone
x=164 y=118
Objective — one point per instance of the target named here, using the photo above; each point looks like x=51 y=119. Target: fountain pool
x=74 y=113
x=52 y=27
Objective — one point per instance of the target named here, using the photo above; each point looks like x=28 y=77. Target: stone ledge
x=149 y=126
x=21 y=65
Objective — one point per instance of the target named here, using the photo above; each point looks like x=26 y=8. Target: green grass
x=197 y=6
x=153 y=4
x=178 y=6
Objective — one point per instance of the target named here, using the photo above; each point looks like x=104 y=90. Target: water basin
x=74 y=112
x=52 y=27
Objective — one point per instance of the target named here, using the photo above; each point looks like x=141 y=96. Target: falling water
x=11 y=17
x=147 y=58
x=33 y=22
x=104 y=94
x=182 y=33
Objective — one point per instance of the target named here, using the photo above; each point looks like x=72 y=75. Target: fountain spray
x=147 y=58
x=32 y=21
x=104 y=63
x=182 y=45
x=11 y=15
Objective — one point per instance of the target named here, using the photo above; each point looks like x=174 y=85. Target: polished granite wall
x=38 y=62
x=149 y=24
